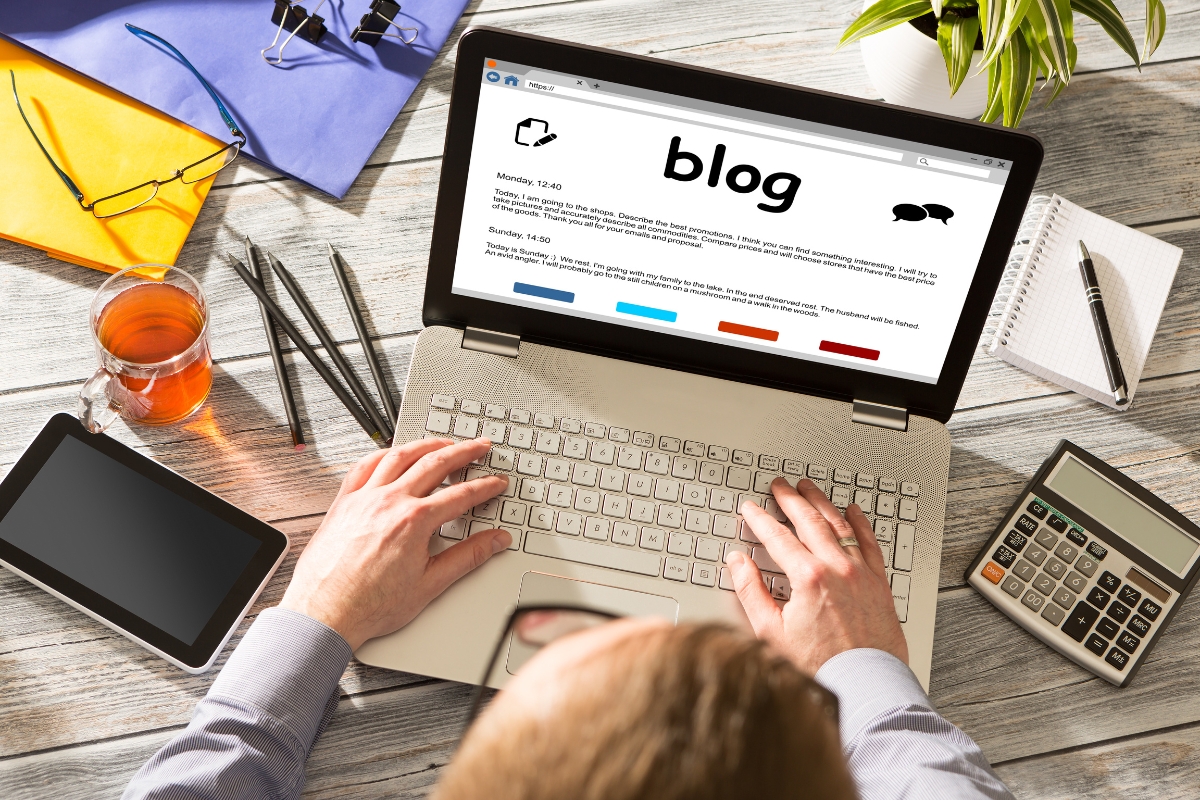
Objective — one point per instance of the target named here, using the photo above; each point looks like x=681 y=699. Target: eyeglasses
x=129 y=199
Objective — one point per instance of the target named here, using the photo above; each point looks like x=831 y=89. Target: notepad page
x=1055 y=336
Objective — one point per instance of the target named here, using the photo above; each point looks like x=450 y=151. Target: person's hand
x=367 y=571
x=840 y=595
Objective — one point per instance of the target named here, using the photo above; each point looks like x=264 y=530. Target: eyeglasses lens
x=540 y=628
x=211 y=165
x=125 y=201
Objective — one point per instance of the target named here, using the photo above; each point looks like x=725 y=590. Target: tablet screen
x=129 y=539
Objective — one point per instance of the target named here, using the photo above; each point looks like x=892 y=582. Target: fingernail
x=501 y=541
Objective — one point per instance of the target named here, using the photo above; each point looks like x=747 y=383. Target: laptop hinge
x=880 y=416
x=498 y=344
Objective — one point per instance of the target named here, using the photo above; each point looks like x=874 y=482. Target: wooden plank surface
x=81 y=708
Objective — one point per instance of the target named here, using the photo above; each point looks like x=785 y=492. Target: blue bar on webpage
x=543 y=291
x=647 y=311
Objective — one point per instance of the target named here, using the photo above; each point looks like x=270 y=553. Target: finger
x=432 y=468
x=781 y=544
x=765 y=617
x=872 y=553
x=811 y=526
x=399 y=459
x=456 y=500
x=360 y=473
x=836 y=525
x=451 y=564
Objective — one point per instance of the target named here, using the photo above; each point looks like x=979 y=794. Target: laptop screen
x=717 y=223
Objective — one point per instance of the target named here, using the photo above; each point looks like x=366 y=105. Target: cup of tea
x=150 y=329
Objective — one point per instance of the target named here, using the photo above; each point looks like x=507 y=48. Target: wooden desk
x=81 y=708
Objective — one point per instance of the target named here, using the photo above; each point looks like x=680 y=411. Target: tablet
x=132 y=544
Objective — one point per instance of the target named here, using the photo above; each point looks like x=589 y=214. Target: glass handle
x=97 y=408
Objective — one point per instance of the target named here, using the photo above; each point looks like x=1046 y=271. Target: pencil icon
x=550 y=137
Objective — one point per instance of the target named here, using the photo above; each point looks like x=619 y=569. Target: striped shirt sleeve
x=251 y=735
x=896 y=744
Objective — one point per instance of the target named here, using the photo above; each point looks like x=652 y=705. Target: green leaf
x=995 y=106
x=883 y=15
x=991 y=21
x=1057 y=38
x=1156 y=26
x=1105 y=13
x=1017 y=77
x=937 y=8
x=956 y=38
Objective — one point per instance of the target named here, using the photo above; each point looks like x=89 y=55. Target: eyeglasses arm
x=225 y=115
x=64 y=176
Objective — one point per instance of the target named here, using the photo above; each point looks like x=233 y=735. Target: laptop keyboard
x=648 y=503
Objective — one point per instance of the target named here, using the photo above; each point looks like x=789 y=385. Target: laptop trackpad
x=539 y=589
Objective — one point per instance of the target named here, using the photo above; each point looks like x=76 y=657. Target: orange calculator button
x=992 y=572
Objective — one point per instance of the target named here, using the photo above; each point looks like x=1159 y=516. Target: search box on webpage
x=950 y=166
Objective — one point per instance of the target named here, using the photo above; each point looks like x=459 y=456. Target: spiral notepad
x=1041 y=319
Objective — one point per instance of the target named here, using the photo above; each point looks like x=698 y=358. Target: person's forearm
x=896 y=744
x=250 y=737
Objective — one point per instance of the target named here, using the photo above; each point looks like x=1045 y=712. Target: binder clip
x=289 y=14
x=374 y=24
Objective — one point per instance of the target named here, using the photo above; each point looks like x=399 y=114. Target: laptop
x=656 y=288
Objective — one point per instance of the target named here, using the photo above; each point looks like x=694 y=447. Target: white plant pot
x=907 y=69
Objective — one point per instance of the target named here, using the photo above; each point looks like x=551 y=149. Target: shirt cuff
x=869 y=683
x=288 y=666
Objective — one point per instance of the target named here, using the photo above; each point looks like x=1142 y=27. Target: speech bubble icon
x=907 y=211
x=939 y=212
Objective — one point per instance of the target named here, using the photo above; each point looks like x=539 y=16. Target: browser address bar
x=692 y=116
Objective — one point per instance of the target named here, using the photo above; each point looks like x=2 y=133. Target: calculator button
x=908 y=509
x=1064 y=598
x=1053 y=614
x=1037 y=509
x=1096 y=644
x=1058 y=523
x=1044 y=584
x=1035 y=554
x=1129 y=596
x=1024 y=570
x=1004 y=557
x=1015 y=540
x=1149 y=609
x=1077 y=537
x=1117 y=659
x=992 y=572
x=1086 y=565
x=1138 y=625
x=1033 y=600
x=1075 y=582
x=1080 y=621
x=1027 y=524
x=1097 y=551
x=1108 y=629
x=1066 y=552
x=909 y=489
x=1013 y=586
x=443 y=401
x=1098 y=597
x=1108 y=582
x=1128 y=642
x=1046 y=539
x=1055 y=568
x=1118 y=611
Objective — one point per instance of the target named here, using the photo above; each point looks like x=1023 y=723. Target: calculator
x=1090 y=562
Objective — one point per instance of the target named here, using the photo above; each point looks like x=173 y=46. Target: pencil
x=364 y=338
x=288 y=328
x=330 y=345
x=281 y=375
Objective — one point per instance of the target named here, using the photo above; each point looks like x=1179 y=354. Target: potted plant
x=1014 y=40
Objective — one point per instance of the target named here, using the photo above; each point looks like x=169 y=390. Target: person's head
x=640 y=709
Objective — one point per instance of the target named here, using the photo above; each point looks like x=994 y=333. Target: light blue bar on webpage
x=646 y=311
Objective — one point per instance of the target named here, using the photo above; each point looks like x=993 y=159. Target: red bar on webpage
x=850 y=350
x=747 y=330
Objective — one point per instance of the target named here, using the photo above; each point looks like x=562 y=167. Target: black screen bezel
x=442 y=307
x=272 y=542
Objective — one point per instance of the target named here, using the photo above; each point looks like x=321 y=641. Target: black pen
x=327 y=374
x=335 y=354
x=281 y=375
x=1112 y=362
x=364 y=338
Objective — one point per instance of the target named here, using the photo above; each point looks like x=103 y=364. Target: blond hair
x=691 y=712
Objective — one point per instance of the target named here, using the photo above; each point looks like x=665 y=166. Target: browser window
x=723 y=224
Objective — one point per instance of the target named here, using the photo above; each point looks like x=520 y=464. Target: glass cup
x=149 y=326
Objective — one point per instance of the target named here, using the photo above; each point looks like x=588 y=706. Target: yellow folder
x=107 y=143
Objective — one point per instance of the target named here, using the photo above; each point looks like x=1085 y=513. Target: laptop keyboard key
x=684 y=468
x=652 y=539
x=704 y=574
x=675 y=570
x=708 y=549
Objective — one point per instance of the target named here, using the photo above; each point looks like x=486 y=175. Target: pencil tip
x=299 y=448
x=331 y=250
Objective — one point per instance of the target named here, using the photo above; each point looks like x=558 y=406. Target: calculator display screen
x=1122 y=514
